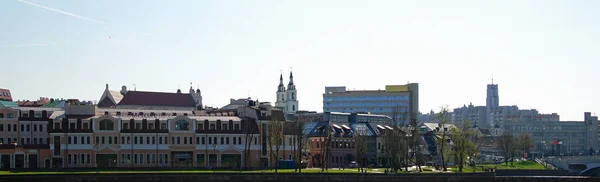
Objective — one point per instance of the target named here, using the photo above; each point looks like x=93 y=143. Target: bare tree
x=325 y=143
x=299 y=139
x=360 y=145
x=275 y=139
x=248 y=136
x=507 y=144
x=415 y=141
x=442 y=134
x=525 y=143
x=394 y=145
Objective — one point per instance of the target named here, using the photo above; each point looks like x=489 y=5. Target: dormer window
x=105 y=112
x=118 y=113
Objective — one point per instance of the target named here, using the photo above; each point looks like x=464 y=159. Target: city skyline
x=540 y=53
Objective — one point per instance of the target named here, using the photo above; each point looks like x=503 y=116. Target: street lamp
x=215 y=152
x=96 y=157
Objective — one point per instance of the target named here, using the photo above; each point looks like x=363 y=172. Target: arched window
x=107 y=125
x=293 y=107
x=181 y=125
x=292 y=95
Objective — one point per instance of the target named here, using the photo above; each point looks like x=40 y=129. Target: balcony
x=144 y=131
x=36 y=146
x=71 y=131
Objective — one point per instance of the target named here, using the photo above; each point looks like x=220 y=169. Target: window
x=147 y=140
x=212 y=126
x=22 y=127
x=147 y=158
x=138 y=126
x=160 y=140
x=235 y=141
x=86 y=126
x=153 y=140
x=35 y=141
x=122 y=140
x=184 y=140
x=163 y=126
x=227 y=140
x=69 y=140
x=88 y=140
x=236 y=127
x=135 y=159
x=82 y=140
x=71 y=125
x=172 y=140
x=1 y=115
x=82 y=158
x=224 y=127
x=56 y=126
x=222 y=141
x=14 y=127
x=97 y=140
x=9 y=115
x=125 y=125
x=181 y=125
x=141 y=158
x=69 y=159
x=200 y=127
x=89 y=158
x=178 y=140
x=209 y=141
x=239 y=140
x=35 y=128
x=203 y=142
x=28 y=127
x=1 y=127
x=141 y=140
x=151 y=126
x=122 y=158
x=115 y=139
x=109 y=140
x=103 y=141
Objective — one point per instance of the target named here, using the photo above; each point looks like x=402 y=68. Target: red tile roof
x=37 y=103
x=5 y=95
x=140 y=98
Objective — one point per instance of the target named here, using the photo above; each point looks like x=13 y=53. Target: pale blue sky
x=543 y=54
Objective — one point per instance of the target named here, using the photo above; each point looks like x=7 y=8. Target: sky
x=543 y=54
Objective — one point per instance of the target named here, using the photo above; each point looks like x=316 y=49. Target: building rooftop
x=5 y=95
x=142 y=98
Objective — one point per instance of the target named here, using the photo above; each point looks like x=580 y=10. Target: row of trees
x=512 y=146
x=401 y=144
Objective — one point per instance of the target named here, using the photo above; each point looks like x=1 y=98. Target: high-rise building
x=492 y=101
x=400 y=102
x=287 y=100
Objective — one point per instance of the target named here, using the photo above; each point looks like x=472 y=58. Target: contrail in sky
x=60 y=11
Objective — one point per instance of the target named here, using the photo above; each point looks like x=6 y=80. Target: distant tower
x=280 y=103
x=197 y=97
x=291 y=100
x=492 y=102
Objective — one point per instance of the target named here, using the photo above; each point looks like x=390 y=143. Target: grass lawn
x=522 y=165
x=91 y=171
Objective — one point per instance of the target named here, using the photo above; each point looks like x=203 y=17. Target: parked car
x=353 y=164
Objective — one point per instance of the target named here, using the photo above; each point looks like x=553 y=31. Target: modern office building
x=400 y=102
x=557 y=137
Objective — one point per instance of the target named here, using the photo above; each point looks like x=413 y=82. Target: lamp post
x=96 y=157
x=215 y=152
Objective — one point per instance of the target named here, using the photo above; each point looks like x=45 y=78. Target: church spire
x=291 y=85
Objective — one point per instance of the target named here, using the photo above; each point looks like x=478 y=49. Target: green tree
x=525 y=143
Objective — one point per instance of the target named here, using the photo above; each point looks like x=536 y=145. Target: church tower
x=291 y=100
x=197 y=97
x=280 y=103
